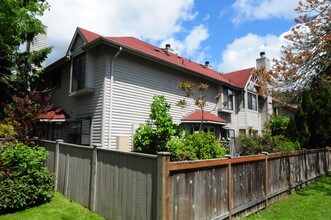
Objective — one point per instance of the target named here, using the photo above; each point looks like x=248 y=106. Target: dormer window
x=227 y=98
x=79 y=72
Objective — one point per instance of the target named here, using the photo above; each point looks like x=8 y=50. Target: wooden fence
x=120 y=185
x=218 y=189
x=117 y=185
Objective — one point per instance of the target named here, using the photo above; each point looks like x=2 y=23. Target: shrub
x=179 y=151
x=153 y=137
x=284 y=145
x=278 y=124
x=200 y=146
x=251 y=145
x=25 y=182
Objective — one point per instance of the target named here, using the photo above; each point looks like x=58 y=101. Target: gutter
x=110 y=96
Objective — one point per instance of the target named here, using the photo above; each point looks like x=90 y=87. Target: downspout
x=111 y=95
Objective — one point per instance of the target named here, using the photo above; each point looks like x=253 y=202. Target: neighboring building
x=37 y=43
x=105 y=86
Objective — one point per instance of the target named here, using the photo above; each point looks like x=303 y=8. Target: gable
x=81 y=37
x=77 y=45
x=240 y=77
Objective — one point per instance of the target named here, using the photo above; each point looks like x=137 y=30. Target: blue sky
x=228 y=33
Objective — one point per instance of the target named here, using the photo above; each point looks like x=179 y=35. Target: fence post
x=327 y=162
x=289 y=173
x=229 y=186
x=56 y=161
x=266 y=179
x=318 y=162
x=306 y=167
x=94 y=170
x=163 y=185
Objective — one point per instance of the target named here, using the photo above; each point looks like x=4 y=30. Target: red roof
x=239 y=77
x=207 y=117
x=234 y=78
x=89 y=36
x=57 y=114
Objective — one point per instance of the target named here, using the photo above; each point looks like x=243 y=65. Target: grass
x=60 y=208
x=312 y=202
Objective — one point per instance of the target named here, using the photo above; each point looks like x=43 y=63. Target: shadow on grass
x=323 y=185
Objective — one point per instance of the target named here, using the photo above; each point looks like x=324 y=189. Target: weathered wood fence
x=121 y=185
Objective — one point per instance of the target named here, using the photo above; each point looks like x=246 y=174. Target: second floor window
x=79 y=72
x=227 y=98
x=252 y=102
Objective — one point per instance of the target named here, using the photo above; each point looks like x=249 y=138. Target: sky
x=229 y=34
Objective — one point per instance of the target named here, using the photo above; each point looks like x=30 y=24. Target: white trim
x=198 y=122
x=53 y=120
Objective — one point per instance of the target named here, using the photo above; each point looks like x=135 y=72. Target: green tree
x=151 y=138
x=313 y=119
x=19 y=71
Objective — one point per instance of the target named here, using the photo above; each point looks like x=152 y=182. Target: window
x=194 y=128
x=252 y=103
x=56 y=80
x=75 y=130
x=79 y=131
x=209 y=129
x=241 y=100
x=79 y=72
x=57 y=131
x=227 y=98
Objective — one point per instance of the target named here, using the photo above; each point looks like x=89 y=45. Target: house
x=105 y=85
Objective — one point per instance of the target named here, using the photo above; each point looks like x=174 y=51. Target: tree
x=197 y=93
x=307 y=54
x=20 y=71
x=23 y=114
x=151 y=138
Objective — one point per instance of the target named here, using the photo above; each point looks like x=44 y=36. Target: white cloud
x=191 y=45
x=206 y=18
x=242 y=52
x=246 y=10
x=145 y=19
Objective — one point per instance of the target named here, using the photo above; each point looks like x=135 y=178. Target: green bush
x=251 y=145
x=25 y=182
x=195 y=146
x=7 y=131
x=152 y=138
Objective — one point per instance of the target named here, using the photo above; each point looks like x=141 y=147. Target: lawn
x=313 y=202
x=59 y=208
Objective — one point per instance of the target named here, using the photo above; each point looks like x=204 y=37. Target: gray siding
x=83 y=106
x=77 y=44
x=135 y=84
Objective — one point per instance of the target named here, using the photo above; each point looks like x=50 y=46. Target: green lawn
x=313 y=202
x=59 y=208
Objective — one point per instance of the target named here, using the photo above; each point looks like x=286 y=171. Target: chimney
x=168 y=48
x=263 y=61
x=207 y=65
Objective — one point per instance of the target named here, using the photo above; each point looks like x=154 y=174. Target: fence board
x=126 y=186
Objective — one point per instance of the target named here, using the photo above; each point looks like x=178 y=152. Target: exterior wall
x=135 y=82
x=86 y=105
